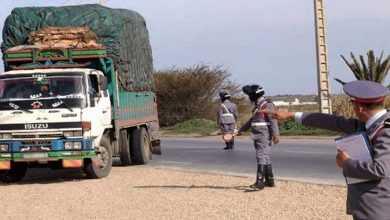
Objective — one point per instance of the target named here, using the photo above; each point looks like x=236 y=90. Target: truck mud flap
x=156 y=147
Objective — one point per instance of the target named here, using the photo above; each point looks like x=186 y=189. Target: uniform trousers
x=263 y=150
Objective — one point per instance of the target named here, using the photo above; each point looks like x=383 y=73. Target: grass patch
x=205 y=127
x=199 y=126
x=292 y=128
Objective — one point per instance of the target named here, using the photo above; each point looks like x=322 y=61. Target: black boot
x=259 y=184
x=269 y=176
x=227 y=146
x=232 y=144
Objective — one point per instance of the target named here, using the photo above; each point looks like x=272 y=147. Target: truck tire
x=15 y=174
x=140 y=146
x=125 y=148
x=104 y=158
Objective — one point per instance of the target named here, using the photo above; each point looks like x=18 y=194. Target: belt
x=227 y=114
x=260 y=124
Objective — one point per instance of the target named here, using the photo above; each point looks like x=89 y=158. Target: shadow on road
x=42 y=174
x=48 y=176
x=239 y=188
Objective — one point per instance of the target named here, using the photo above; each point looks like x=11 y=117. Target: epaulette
x=372 y=136
x=386 y=123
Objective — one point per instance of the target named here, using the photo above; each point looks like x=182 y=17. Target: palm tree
x=373 y=70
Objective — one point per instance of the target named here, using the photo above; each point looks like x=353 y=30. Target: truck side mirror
x=103 y=83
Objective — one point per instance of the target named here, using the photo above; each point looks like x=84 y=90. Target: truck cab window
x=93 y=85
x=93 y=88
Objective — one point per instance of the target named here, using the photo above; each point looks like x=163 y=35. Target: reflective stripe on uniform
x=226 y=109
x=228 y=114
x=260 y=124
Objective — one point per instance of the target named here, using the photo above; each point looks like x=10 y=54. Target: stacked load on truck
x=75 y=37
x=123 y=32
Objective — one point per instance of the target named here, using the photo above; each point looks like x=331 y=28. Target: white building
x=295 y=102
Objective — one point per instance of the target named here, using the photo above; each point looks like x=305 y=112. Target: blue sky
x=268 y=42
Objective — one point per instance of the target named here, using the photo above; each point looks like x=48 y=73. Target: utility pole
x=322 y=59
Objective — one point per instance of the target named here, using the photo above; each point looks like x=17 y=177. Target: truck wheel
x=140 y=146
x=102 y=167
x=15 y=174
x=125 y=148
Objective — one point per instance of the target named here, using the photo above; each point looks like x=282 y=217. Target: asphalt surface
x=303 y=160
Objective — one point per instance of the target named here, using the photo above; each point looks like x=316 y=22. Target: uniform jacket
x=261 y=131
x=227 y=113
x=366 y=200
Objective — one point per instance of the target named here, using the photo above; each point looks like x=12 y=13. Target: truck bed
x=136 y=108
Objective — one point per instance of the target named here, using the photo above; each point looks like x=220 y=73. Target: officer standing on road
x=369 y=199
x=264 y=131
x=227 y=117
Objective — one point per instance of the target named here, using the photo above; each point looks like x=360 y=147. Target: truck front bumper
x=55 y=151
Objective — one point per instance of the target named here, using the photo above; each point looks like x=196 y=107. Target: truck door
x=100 y=106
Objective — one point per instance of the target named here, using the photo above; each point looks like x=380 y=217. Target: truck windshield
x=42 y=91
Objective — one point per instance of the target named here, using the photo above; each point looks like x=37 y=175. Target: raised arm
x=319 y=120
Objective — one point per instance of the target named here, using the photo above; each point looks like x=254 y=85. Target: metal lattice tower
x=322 y=58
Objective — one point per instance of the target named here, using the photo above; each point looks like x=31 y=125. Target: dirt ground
x=141 y=192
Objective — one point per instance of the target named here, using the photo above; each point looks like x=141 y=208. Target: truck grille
x=35 y=136
x=31 y=142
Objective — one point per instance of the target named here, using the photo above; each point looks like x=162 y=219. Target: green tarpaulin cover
x=123 y=32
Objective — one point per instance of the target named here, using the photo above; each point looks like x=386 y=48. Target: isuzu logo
x=31 y=126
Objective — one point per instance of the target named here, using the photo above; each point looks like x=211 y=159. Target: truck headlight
x=5 y=136
x=77 y=145
x=69 y=134
x=68 y=145
x=3 y=147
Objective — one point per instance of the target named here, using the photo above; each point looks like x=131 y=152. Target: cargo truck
x=69 y=107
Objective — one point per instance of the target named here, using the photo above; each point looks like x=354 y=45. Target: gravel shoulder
x=142 y=192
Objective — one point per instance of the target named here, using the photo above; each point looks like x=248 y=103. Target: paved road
x=307 y=160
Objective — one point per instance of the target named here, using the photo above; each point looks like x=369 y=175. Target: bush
x=200 y=126
x=341 y=106
x=188 y=93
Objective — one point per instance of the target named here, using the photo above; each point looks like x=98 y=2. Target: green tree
x=188 y=93
x=374 y=69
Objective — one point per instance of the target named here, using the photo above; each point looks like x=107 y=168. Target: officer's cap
x=224 y=95
x=253 y=89
x=364 y=91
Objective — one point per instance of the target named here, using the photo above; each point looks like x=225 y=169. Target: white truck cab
x=53 y=116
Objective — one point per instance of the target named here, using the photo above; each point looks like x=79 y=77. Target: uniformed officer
x=264 y=131
x=227 y=117
x=369 y=199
